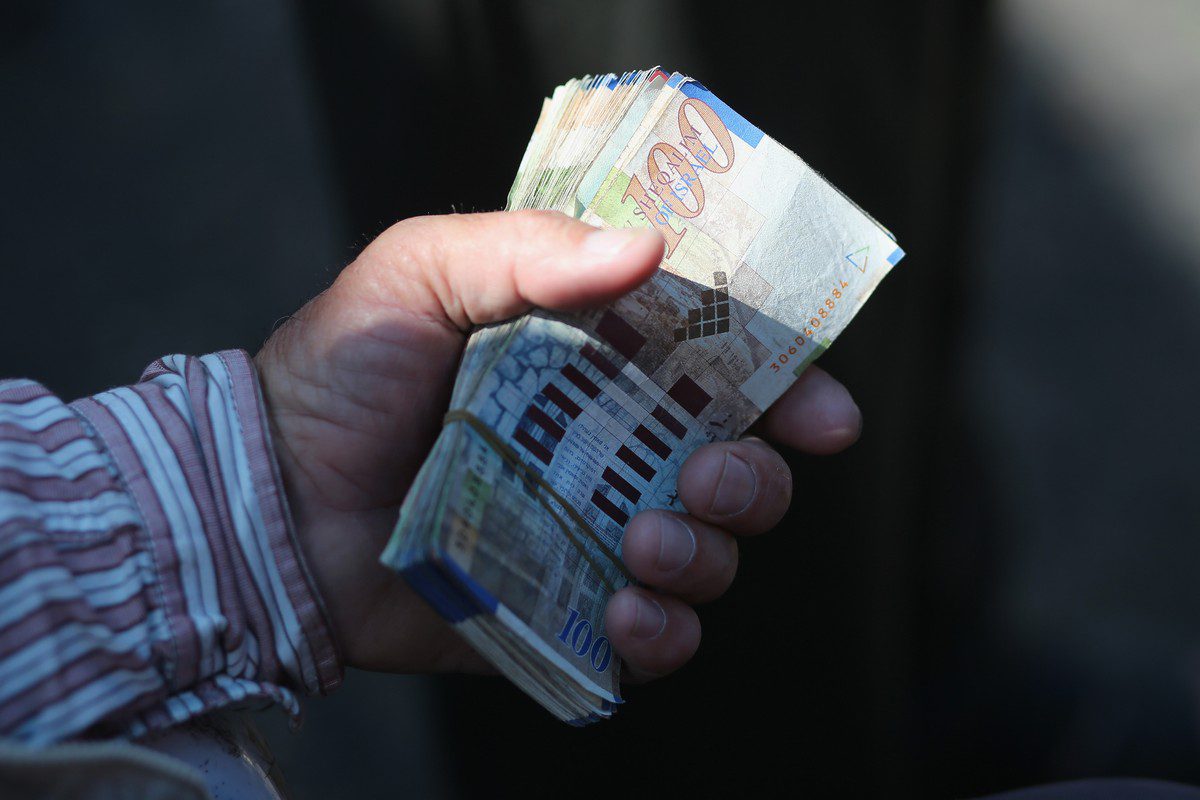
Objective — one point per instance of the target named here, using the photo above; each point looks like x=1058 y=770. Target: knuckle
x=406 y=245
x=400 y=233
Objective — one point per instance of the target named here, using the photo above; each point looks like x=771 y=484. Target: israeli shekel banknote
x=563 y=426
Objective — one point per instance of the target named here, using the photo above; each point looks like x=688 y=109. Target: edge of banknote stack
x=563 y=426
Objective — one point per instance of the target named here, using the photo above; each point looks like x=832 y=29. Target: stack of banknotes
x=563 y=426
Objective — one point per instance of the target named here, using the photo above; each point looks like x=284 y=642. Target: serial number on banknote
x=824 y=312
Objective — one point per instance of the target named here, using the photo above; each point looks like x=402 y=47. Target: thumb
x=483 y=268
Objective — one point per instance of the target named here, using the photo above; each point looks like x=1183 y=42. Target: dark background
x=995 y=587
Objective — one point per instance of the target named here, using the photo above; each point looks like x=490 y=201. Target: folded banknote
x=562 y=426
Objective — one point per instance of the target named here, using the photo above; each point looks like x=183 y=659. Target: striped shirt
x=149 y=571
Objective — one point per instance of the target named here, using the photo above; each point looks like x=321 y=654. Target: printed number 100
x=577 y=634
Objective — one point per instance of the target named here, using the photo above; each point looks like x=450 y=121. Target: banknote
x=562 y=427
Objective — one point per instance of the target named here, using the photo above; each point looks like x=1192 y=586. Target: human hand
x=357 y=382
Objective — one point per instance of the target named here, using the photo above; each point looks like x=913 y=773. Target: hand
x=358 y=380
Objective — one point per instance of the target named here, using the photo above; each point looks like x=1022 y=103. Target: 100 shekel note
x=563 y=426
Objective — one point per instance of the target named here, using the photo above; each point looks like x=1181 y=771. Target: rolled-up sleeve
x=148 y=566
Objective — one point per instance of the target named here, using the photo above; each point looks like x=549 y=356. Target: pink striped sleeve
x=148 y=567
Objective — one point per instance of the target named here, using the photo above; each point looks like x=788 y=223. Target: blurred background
x=1001 y=588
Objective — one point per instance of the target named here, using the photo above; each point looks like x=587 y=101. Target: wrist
x=325 y=535
x=289 y=528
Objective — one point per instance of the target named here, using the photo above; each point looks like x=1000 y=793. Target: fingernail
x=676 y=544
x=610 y=241
x=843 y=435
x=649 y=619
x=851 y=415
x=735 y=488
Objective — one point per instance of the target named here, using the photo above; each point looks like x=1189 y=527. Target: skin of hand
x=357 y=382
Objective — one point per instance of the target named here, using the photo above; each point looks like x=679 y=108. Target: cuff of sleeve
x=242 y=612
x=267 y=485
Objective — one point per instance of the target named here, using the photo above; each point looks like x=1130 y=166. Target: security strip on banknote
x=563 y=426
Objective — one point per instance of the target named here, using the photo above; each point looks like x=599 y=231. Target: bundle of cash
x=563 y=426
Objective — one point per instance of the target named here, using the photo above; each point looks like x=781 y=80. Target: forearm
x=148 y=571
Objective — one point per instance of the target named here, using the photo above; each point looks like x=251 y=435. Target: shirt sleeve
x=149 y=571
